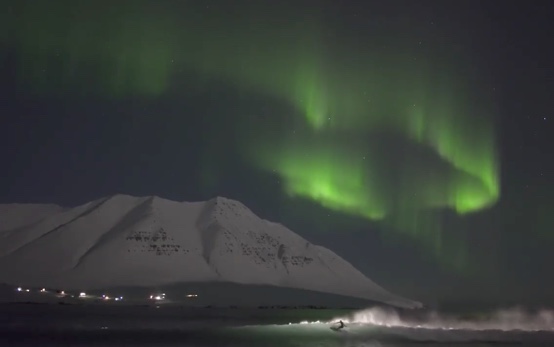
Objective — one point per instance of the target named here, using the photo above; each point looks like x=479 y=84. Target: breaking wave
x=512 y=319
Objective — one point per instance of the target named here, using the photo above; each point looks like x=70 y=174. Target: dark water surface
x=82 y=325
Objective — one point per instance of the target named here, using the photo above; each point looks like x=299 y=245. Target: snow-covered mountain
x=149 y=241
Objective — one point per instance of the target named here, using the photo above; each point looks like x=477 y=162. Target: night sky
x=411 y=137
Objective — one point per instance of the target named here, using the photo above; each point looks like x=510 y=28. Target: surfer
x=339 y=327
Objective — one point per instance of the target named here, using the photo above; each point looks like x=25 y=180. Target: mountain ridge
x=148 y=241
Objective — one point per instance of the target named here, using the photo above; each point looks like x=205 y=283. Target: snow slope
x=148 y=241
x=14 y=215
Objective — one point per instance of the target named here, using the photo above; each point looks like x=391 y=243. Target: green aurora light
x=385 y=129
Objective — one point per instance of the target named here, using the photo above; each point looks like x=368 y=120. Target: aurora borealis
x=393 y=93
x=385 y=114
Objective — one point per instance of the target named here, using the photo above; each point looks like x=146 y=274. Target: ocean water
x=81 y=325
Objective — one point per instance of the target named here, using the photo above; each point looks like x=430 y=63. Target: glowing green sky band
x=384 y=131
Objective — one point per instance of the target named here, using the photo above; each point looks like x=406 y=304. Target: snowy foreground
x=151 y=242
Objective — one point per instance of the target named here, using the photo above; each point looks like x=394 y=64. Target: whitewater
x=391 y=327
